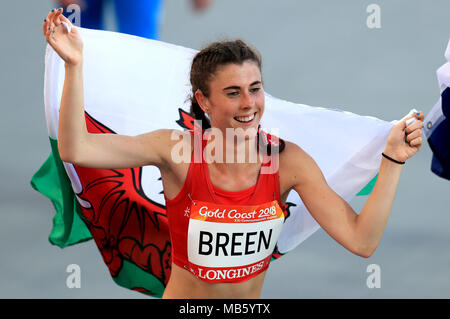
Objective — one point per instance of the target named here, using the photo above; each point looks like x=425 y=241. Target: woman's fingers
x=416 y=142
x=69 y=24
x=49 y=37
x=63 y=18
x=46 y=23
x=44 y=26
x=50 y=16
x=49 y=25
x=414 y=126
x=51 y=20
x=56 y=18
x=413 y=135
x=418 y=123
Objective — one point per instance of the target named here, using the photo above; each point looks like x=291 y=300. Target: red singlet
x=223 y=236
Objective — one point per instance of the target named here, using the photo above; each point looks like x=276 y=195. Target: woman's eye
x=235 y=93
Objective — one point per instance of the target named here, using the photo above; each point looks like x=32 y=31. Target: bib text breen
x=234 y=244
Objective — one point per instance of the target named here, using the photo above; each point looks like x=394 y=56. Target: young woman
x=225 y=216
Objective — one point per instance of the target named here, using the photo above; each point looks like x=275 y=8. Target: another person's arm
x=201 y=4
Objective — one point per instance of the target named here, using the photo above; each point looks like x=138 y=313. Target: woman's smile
x=246 y=119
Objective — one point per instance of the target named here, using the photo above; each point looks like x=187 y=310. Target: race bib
x=228 y=243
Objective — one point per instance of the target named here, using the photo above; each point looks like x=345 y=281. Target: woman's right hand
x=69 y=46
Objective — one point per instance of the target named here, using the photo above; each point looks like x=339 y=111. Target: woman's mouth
x=245 y=119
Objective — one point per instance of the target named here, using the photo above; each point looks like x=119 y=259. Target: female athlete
x=225 y=215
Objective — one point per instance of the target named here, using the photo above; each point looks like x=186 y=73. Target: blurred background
x=320 y=53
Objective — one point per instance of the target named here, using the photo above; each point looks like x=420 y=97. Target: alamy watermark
x=74 y=279
x=374 y=279
x=74 y=16
x=373 y=21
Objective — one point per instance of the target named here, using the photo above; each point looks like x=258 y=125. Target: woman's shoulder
x=295 y=163
x=292 y=153
x=171 y=137
x=175 y=146
x=176 y=140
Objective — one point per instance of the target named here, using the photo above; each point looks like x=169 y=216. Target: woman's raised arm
x=359 y=233
x=75 y=144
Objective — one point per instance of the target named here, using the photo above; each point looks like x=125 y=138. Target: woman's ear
x=201 y=100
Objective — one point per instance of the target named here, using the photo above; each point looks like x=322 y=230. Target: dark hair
x=204 y=66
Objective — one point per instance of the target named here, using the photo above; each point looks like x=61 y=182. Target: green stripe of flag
x=368 y=188
x=52 y=181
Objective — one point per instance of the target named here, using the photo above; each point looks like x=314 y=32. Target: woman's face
x=236 y=98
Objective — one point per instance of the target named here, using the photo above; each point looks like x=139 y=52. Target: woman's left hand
x=402 y=147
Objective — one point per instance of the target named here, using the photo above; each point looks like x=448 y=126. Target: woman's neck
x=232 y=153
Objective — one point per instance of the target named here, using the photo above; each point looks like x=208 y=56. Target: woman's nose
x=247 y=100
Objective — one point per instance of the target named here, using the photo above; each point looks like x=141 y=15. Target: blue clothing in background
x=135 y=17
x=439 y=139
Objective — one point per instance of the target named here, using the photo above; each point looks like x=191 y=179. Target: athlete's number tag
x=228 y=243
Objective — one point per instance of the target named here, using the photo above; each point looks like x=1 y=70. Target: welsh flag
x=135 y=85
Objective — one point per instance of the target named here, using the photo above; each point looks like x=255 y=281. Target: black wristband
x=393 y=160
